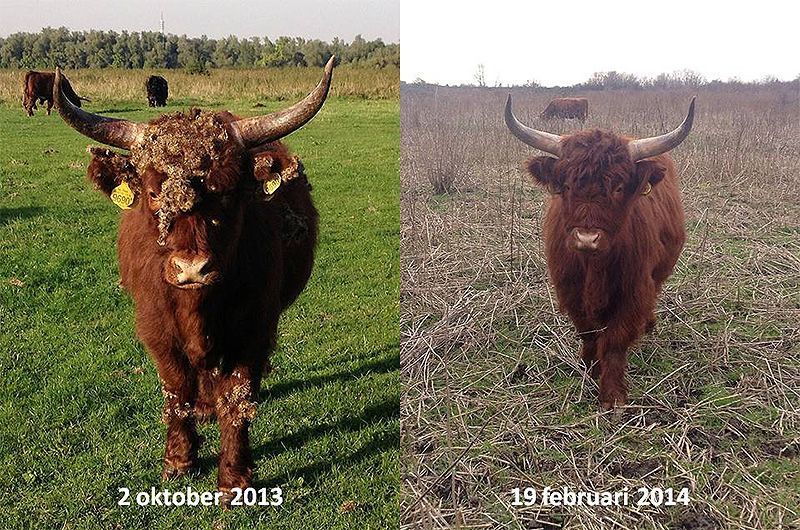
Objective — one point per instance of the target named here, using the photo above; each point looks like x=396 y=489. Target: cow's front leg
x=612 y=354
x=178 y=384
x=49 y=106
x=236 y=393
x=613 y=345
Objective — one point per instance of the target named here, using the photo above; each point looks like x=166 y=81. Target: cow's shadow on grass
x=8 y=215
x=381 y=361
x=381 y=441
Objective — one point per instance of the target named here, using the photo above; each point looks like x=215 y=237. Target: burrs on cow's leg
x=236 y=409
x=183 y=442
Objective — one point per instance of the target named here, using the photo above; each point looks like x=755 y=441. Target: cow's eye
x=619 y=189
x=216 y=222
x=153 y=195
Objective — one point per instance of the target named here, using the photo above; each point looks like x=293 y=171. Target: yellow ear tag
x=648 y=189
x=122 y=196
x=272 y=185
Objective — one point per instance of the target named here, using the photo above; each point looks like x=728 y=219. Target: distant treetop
x=149 y=49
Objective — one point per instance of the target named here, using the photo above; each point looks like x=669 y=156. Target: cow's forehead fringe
x=595 y=150
x=182 y=146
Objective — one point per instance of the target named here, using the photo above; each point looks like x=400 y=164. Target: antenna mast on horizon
x=162 y=22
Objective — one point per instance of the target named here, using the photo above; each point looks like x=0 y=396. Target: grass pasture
x=79 y=398
x=495 y=396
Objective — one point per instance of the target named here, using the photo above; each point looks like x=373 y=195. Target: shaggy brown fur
x=610 y=294
x=567 y=108
x=211 y=344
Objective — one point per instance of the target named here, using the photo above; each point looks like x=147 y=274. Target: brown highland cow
x=613 y=232
x=566 y=108
x=217 y=239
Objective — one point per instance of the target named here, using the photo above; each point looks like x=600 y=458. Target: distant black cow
x=157 y=91
x=38 y=87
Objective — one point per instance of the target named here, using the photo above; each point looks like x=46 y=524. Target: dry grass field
x=495 y=396
x=256 y=84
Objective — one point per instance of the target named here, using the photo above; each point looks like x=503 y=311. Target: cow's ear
x=541 y=168
x=649 y=172
x=108 y=169
x=273 y=166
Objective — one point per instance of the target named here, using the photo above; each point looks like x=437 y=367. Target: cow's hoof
x=172 y=472
x=242 y=482
x=612 y=403
x=612 y=400
x=226 y=498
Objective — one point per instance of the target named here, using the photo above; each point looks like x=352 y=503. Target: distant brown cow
x=613 y=232
x=38 y=86
x=216 y=240
x=567 y=108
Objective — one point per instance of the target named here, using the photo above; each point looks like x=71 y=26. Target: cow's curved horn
x=263 y=129
x=110 y=131
x=545 y=141
x=647 y=147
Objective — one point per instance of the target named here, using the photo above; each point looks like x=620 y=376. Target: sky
x=320 y=19
x=564 y=42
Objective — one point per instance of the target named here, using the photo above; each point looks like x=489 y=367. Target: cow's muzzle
x=190 y=271
x=587 y=239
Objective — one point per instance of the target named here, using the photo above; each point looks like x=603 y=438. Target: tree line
x=149 y=49
x=613 y=80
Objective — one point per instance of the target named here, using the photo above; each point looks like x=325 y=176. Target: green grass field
x=80 y=404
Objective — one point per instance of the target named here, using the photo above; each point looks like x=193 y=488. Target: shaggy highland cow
x=566 y=108
x=613 y=232
x=216 y=239
x=38 y=87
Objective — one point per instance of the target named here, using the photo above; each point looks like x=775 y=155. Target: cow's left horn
x=545 y=141
x=647 y=147
x=110 y=131
x=262 y=129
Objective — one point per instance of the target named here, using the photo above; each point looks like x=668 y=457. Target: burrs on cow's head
x=177 y=196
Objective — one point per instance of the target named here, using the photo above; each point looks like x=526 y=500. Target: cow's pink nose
x=586 y=239
x=190 y=270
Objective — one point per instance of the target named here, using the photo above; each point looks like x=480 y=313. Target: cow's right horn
x=647 y=147
x=262 y=129
x=545 y=141
x=110 y=131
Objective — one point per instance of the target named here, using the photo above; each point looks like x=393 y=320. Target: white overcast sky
x=564 y=42
x=320 y=19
